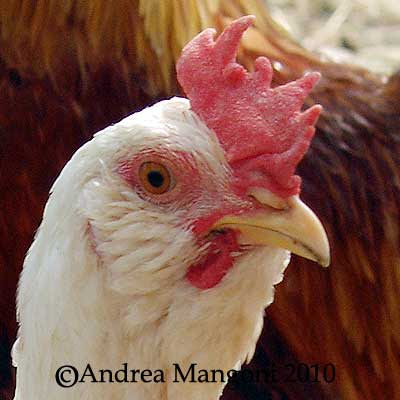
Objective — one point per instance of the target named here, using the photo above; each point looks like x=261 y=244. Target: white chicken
x=160 y=246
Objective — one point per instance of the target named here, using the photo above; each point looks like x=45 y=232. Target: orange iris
x=155 y=178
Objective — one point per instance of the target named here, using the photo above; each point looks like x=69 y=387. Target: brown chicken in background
x=68 y=69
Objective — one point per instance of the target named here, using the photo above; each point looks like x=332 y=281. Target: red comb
x=262 y=130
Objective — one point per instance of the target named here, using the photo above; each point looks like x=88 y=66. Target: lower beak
x=293 y=227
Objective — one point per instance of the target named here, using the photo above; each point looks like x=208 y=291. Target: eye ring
x=155 y=177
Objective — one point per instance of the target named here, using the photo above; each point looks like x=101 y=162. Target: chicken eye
x=155 y=178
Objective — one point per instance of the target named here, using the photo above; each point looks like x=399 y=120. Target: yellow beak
x=288 y=224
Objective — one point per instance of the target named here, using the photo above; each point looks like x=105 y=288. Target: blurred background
x=363 y=32
x=68 y=69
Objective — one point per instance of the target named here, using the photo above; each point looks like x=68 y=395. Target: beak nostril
x=267 y=199
x=267 y=205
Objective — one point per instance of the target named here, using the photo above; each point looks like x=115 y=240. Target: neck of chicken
x=76 y=308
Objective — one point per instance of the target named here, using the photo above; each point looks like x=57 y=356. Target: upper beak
x=288 y=224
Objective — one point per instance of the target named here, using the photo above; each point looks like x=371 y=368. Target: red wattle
x=217 y=262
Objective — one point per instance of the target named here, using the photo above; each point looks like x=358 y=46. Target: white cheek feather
x=129 y=301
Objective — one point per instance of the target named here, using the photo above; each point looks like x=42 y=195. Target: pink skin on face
x=192 y=189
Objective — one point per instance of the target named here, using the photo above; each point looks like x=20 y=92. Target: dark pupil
x=155 y=179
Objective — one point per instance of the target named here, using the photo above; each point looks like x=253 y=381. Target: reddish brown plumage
x=62 y=81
